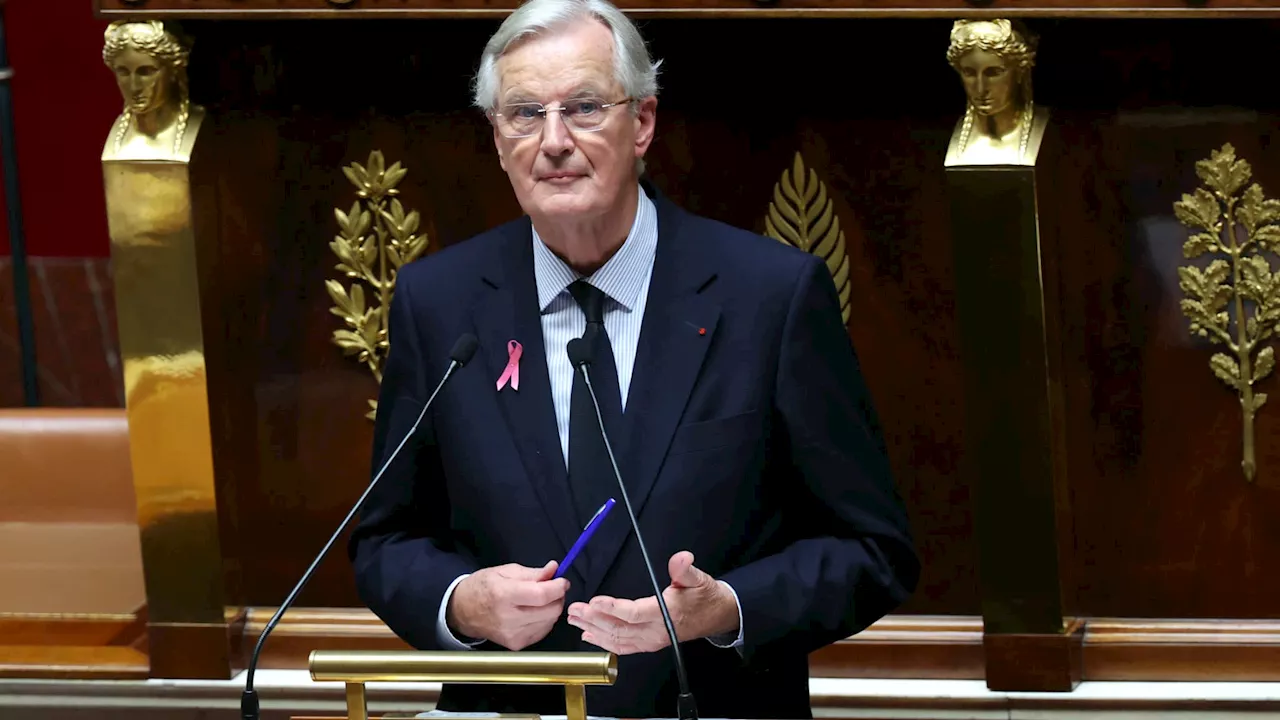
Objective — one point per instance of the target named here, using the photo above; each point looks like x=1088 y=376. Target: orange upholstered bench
x=68 y=520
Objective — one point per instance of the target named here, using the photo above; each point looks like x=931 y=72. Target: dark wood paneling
x=334 y=9
x=1165 y=524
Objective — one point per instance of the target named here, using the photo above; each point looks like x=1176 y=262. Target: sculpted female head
x=149 y=61
x=150 y=65
x=994 y=59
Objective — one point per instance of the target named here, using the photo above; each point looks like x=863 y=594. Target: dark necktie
x=590 y=473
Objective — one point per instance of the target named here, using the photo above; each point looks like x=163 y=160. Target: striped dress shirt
x=624 y=279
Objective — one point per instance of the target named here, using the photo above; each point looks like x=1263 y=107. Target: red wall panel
x=64 y=103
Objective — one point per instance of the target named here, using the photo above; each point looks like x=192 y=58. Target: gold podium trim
x=574 y=670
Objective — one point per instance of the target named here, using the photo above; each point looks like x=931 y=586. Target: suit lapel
x=511 y=312
x=678 y=328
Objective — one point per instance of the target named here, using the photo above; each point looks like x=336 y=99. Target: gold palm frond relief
x=376 y=238
x=1237 y=224
x=803 y=216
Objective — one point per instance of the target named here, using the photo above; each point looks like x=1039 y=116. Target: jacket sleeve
x=851 y=559
x=401 y=550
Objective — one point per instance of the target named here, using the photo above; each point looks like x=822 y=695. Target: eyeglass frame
x=543 y=111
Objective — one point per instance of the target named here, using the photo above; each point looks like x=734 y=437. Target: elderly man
x=727 y=382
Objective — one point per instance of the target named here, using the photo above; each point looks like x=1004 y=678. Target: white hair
x=634 y=70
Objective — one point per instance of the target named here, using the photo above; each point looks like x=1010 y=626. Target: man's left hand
x=699 y=606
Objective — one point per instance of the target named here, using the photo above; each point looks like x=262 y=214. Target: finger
x=600 y=603
x=590 y=616
x=625 y=646
x=603 y=604
x=617 y=647
x=683 y=572
x=633 y=612
x=602 y=624
x=541 y=616
x=610 y=631
x=520 y=622
x=513 y=571
x=602 y=642
x=589 y=625
x=548 y=571
x=538 y=594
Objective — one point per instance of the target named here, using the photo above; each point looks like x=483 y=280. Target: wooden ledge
x=71 y=662
x=74 y=646
x=897 y=647
x=302 y=630
x=1182 y=650
x=936 y=647
x=74 y=629
x=907 y=647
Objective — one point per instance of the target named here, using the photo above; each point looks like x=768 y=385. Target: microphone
x=463 y=350
x=686 y=709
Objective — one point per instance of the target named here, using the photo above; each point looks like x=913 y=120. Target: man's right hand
x=512 y=605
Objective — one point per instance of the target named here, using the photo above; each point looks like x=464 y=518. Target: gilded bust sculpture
x=1001 y=124
x=150 y=64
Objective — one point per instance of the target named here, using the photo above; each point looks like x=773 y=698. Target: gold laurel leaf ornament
x=1233 y=224
x=376 y=237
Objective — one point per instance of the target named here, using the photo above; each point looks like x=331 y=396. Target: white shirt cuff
x=722 y=641
x=444 y=634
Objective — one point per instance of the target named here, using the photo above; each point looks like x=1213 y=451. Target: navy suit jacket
x=749 y=439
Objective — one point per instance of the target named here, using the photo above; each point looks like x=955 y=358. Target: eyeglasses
x=584 y=115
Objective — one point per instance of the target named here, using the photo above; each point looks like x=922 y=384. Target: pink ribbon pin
x=512 y=372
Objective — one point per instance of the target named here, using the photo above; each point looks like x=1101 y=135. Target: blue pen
x=587 y=532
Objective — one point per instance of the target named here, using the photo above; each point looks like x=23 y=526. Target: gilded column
x=1011 y=386
x=146 y=174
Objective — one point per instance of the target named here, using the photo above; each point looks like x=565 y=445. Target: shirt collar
x=621 y=277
